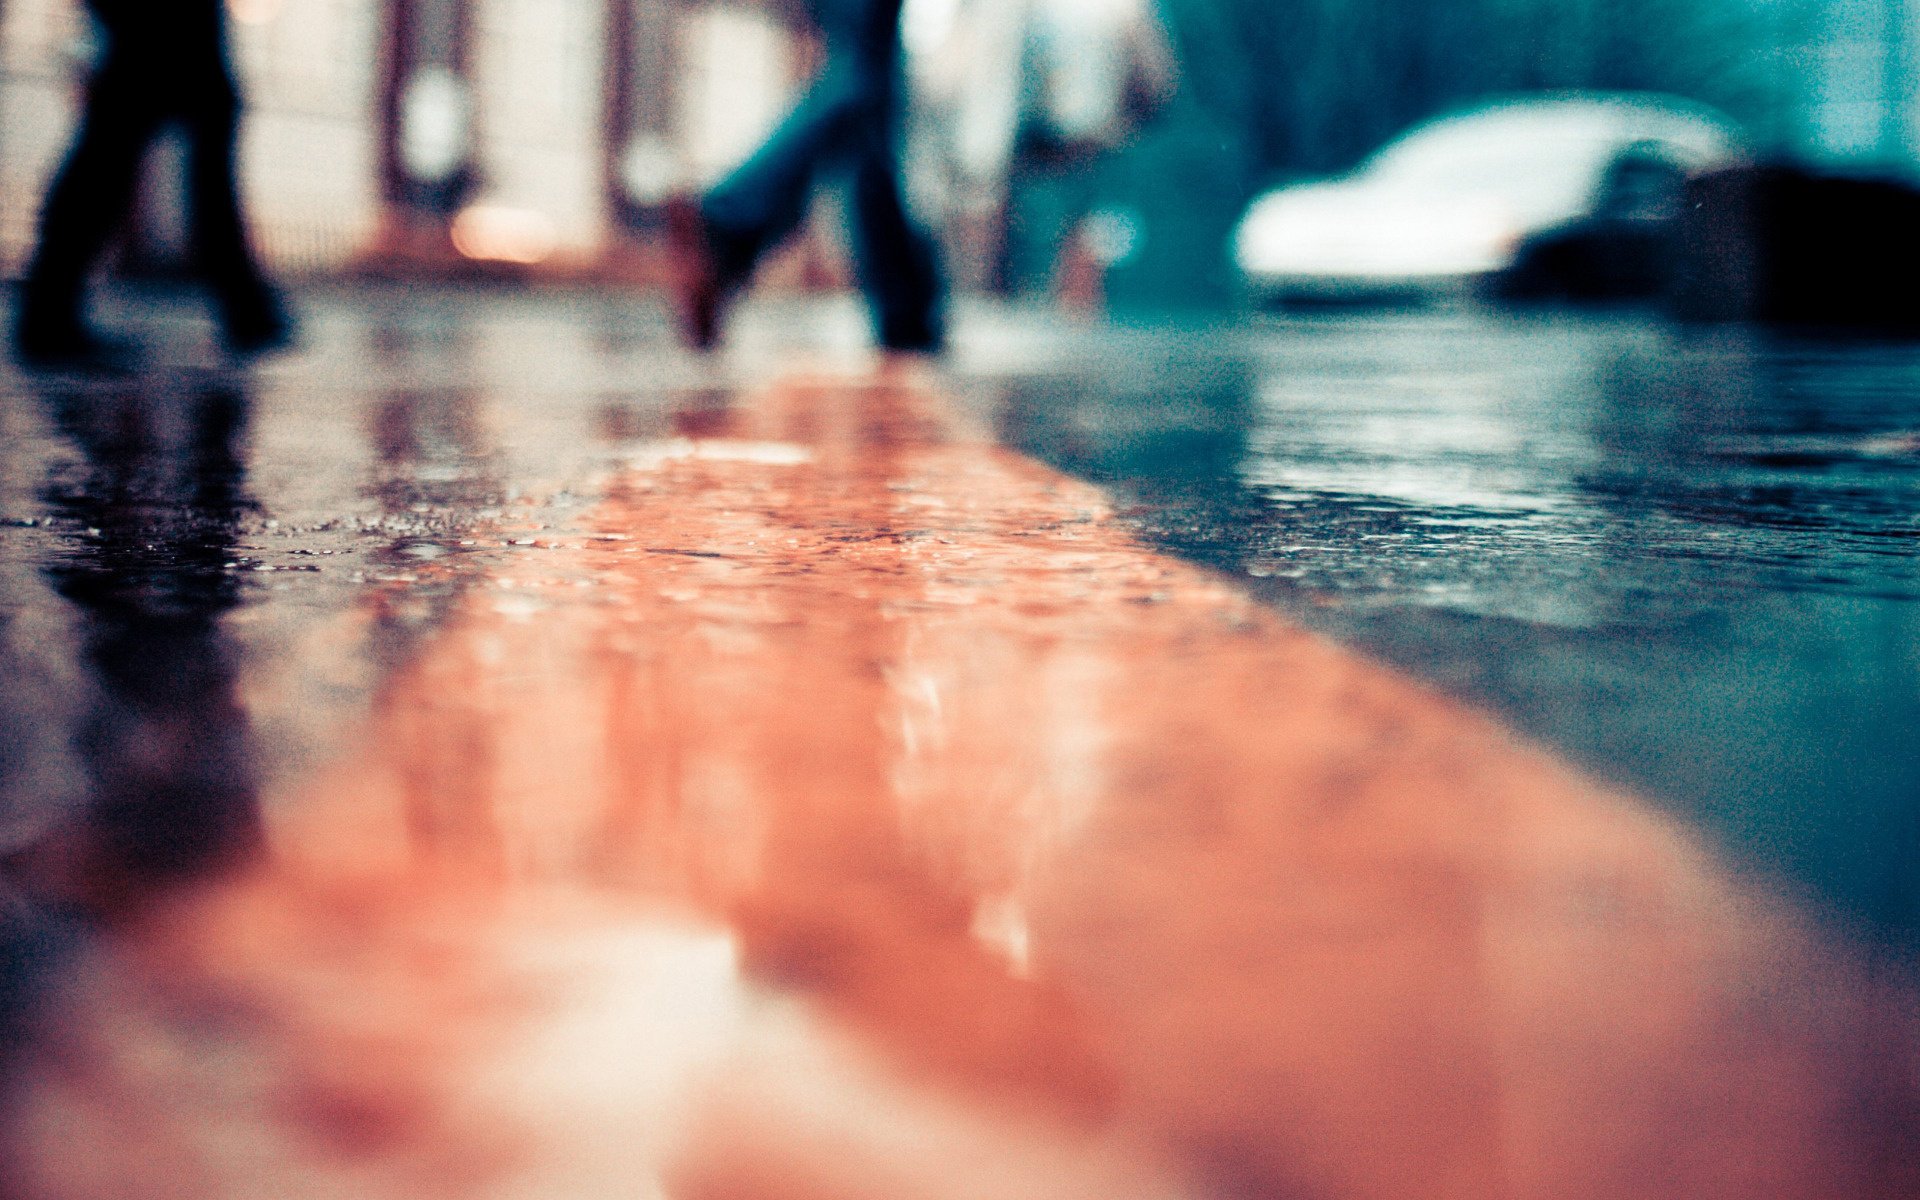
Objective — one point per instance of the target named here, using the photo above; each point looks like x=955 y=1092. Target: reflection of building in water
x=514 y=130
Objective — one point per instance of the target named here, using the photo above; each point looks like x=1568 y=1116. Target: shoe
x=258 y=329
x=67 y=344
x=928 y=338
x=698 y=290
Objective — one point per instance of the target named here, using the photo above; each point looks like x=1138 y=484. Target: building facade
x=1852 y=75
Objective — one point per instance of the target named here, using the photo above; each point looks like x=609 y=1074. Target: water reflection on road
x=1691 y=558
x=570 y=782
x=156 y=788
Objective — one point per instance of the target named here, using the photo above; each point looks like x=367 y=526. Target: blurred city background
x=540 y=137
x=1382 y=660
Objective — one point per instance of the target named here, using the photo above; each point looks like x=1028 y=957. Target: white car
x=1450 y=203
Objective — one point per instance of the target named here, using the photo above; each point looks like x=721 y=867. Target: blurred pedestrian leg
x=164 y=63
x=846 y=127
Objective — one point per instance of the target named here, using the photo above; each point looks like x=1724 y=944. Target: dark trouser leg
x=247 y=303
x=89 y=198
x=847 y=120
x=898 y=269
x=895 y=260
x=762 y=201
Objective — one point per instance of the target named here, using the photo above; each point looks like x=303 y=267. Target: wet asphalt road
x=481 y=530
x=1686 y=558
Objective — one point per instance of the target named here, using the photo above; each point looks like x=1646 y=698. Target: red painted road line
x=851 y=808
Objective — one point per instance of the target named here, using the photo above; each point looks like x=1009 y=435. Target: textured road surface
x=493 y=755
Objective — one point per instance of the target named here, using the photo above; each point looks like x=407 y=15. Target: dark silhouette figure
x=165 y=62
x=847 y=125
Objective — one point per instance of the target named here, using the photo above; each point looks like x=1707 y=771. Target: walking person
x=848 y=124
x=164 y=62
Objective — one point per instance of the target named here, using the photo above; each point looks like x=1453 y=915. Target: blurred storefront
x=542 y=136
x=1852 y=75
x=440 y=136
